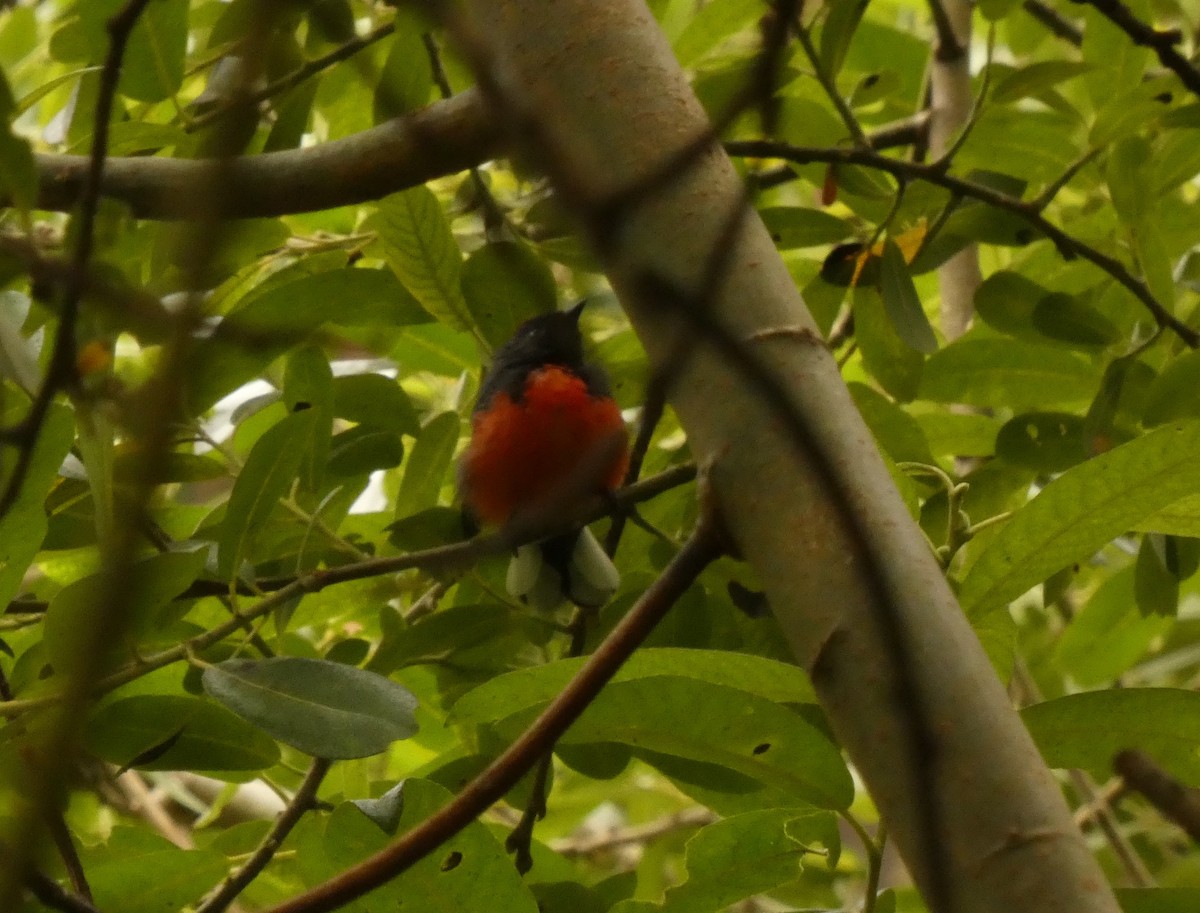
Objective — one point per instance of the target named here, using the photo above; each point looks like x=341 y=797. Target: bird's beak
x=577 y=309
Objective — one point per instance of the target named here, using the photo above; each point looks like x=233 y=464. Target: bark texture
x=592 y=88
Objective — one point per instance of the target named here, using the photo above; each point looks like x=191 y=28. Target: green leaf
x=899 y=434
x=1177 y=160
x=793 y=227
x=522 y=688
x=267 y=323
x=267 y=476
x=1045 y=441
x=152 y=68
x=838 y=32
x=423 y=253
x=374 y=400
x=901 y=302
x=201 y=735
x=1005 y=302
x=1129 y=178
x=1070 y=320
x=1155 y=261
x=1172 y=395
x=406 y=82
x=1036 y=77
x=504 y=284
x=308 y=385
x=740 y=857
x=425 y=471
x=24 y=526
x=140 y=872
x=321 y=708
x=1007 y=373
x=1156 y=589
x=1081 y=511
x=716 y=725
x=151 y=584
x=712 y=25
x=18 y=171
x=362 y=450
x=1109 y=635
x=895 y=365
x=1087 y=730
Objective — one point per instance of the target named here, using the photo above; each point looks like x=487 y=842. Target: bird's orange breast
x=558 y=438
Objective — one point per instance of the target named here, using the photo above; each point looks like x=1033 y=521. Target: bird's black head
x=548 y=339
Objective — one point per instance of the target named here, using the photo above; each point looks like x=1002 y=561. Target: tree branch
x=301 y=802
x=503 y=773
x=1067 y=244
x=444 y=138
x=1175 y=801
x=1161 y=42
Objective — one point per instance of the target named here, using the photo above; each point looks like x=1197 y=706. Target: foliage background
x=305 y=411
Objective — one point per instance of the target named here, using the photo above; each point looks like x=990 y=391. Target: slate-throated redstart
x=546 y=434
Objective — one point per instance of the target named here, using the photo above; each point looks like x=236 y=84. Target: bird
x=546 y=435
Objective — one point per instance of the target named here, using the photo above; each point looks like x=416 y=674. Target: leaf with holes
x=322 y=708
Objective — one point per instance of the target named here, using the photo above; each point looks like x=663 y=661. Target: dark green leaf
x=201 y=735
x=362 y=450
x=267 y=476
x=837 y=33
x=1155 y=588
x=323 y=709
x=1158 y=900
x=896 y=366
x=425 y=470
x=374 y=400
x=1045 y=441
x=140 y=872
x=308 y=384
x=901 y=302
x=406 y=82
x=792 y=227
x=504 y=284
x=152 y=68
x=1035 y=77
x=710 y=26
x=1068 y=319
x=1172 y=395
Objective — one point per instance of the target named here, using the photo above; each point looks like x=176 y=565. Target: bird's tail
x=572 y=566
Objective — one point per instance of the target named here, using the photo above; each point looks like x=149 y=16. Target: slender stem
x=225 y=893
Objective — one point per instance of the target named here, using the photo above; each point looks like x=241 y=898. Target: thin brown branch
x=53 y=895
x=300 y=803
x=503 y=773
x=1162 y=42
x=1052 y=19
x=635 y=834
x=829 y=84
x=459 y=554
x=1068 y=245
x=56 y=824
x=948 y=48
x=444 y=138
x=1173 y=800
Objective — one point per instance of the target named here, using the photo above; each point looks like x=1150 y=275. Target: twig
x=831 y=90
x=301 y=802
x=639 y=834
x=141 y=801
x=1161 y=42
x=55 y=896
x=297 y=76
x=1175 y=801
x=445 y=556
x=1046 y=197
x=1053 y=20
x=503 y=773
x=1067 y=244
x=65 y=844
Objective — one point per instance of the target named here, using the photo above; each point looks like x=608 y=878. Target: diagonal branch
x=503 y=773
x=1160 y=41
x=1068 y=245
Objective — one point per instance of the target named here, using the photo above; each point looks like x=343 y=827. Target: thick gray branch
x=442 y=139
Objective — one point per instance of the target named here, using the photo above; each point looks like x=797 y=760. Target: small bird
x=546 y=435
